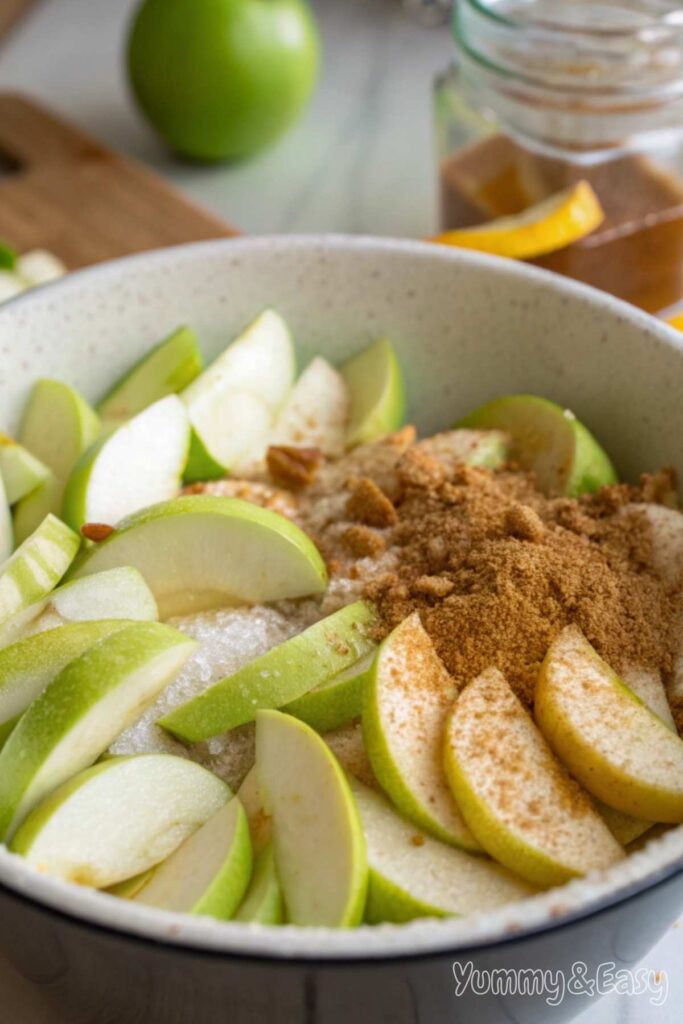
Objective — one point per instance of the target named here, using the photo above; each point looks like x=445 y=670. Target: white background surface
x=359 y=161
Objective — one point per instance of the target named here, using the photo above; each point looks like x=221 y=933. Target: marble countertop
x=360 y=160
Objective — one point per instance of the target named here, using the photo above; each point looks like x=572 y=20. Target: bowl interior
x=467 y=328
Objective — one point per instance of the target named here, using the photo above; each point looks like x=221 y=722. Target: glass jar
x=545 y=93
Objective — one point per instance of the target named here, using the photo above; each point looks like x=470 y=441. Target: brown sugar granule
x=363 y=542
x=496 y=570
x=369 y=505
x=418 y=469
x=292 y=466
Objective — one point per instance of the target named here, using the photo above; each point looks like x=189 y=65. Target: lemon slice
x=676 y=321
x=552 y=224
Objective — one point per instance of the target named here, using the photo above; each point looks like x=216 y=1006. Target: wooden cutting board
x=61 y=190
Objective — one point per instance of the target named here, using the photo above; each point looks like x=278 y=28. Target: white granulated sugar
x=228 y=639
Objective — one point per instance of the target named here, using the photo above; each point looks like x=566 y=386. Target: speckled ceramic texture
x=467 y=328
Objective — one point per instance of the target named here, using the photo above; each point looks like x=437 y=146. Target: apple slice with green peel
x=6 y=529
x=412 y=875
x=519 y=801
x=318 y=839
x=408 y=698
x=201 y=551
x=260 y=824
x=58 y=425
x=130 y=887
x=166 y=369
x=548 y=440
x=277 y=677
x=335 y=702
x=375 y=384
x=609 y=739
x=453 y=448
x=28 y=666
x=316 y=414
x=114 y=594
x=36 y=567
x=20 y=470
x=263 y=903
x=119 y=818
x=82 y=710
x=138 y=465
x=623 y=827
x=209 y=872
x=234 y=402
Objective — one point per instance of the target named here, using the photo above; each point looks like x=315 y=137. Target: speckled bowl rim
x=552 y=910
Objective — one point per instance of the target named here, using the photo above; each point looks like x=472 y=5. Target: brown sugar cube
x=522 y=522
x=295 y=467
x=363 y=541
x=433 y=586
x=368 y=504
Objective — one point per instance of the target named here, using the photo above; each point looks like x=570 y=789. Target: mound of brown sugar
x=496 y=570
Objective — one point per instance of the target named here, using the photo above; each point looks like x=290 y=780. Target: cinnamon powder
x=496 y=570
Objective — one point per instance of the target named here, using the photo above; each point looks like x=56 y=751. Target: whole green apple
x=220 y=79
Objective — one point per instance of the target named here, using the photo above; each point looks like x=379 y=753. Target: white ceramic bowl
x=467 y=328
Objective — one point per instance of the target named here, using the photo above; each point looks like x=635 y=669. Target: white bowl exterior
x=467 y=328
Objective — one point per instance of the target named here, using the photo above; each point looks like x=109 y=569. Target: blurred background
x=360 y=159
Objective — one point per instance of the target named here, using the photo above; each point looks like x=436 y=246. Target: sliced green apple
x=316 y=414
x=487 y=448
x=140 y=464
x=20 y=470
x=234 y=402
x=277 y=677
x=166 y=369
x=209 y=872
x=335 y=702
x=520 y=803
x=6 y=529
x=648 y=685
x=28 y=666
x=318 y=840
x=260 y=825
x=624 y=827
x=58 y=425
x=39 y=267
x=548 y=440
x=609 y=739
x=36 y=567
x=113 y=594
x=130 y=887
x=375 y=384
x=408 y=698
x=263 y=903
x=413 y=875
x=82 y=710
x=119 y=818
x=202 y=551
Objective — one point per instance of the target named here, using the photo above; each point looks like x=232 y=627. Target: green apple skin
x=412 y=875
x=20 y=470
x=6 y=527
x=119 y=818
x=29 y=665
x=375 y=384
x=608 y=738
x=336 y=702
x=407 y=762
x=258 y=555
x=166 y=369
x=263 y=903
x=220 y=79
x=30 y=511
x=319 y=846
x=277 y=677
x=550 y=441
x=36 y=567
x=201 y=464
x=208 y=874
x=82 y=710
x=110 y=480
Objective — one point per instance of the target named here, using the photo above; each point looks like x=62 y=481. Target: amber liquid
x=636 y=254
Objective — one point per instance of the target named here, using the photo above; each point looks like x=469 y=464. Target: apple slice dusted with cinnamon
x=622 y=752
x=515 y=795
